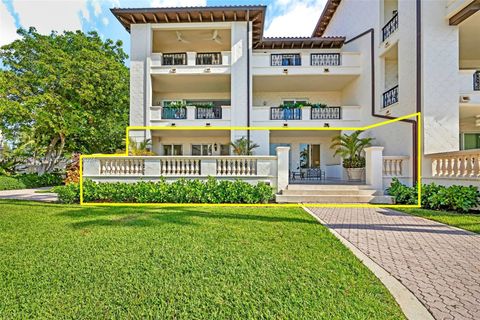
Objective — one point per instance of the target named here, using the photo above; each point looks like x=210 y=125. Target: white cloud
x=8 y=30
x=48 y=15
x=97 y=8
x=294 y=18
x=178 y=3
x=105 y=21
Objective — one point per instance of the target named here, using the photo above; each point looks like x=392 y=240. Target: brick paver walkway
x=437 y=263
x=29 y=194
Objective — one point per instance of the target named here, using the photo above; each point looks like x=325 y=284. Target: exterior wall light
x=173 y=124
x=207 y=124
x=173 y=70
x=326 y=125
x=207 y=70
x=285 y=124
x=326 y=70
x=285 y=71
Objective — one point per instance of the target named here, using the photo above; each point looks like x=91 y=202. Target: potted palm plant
x=350 y=148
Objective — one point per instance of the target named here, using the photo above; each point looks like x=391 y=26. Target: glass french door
x=309 y=155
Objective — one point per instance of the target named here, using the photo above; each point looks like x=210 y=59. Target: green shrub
x=179 y=191
x=435 y=197
x=34 y=180
x=402 y=193
x=69 y=193
x=10 y=183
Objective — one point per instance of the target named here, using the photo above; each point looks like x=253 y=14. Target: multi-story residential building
x=366 y=62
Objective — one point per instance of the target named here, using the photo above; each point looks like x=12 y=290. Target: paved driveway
x=439 y=264
x=29 y=194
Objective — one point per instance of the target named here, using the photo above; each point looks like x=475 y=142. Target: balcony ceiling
x=191 y=83
x=302 y=83
x=470 y=38
x=191 y=40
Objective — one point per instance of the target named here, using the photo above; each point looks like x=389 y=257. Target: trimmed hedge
x=179 y=191
x=436 y=197
x=10 y=183
x=30 y=180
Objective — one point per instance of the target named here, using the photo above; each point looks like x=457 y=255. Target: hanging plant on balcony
x=319 y=105
x=204 y=105
x=176 y=105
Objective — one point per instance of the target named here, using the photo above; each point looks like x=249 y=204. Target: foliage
x=350 y=148
x=204 y=105
x=453 y=198
x=402 y=193
x=34 y=180
x=30 y=180
x=179 y=191
x=63 y=93
x=10 y=183
x=301 y=105
x=10 y=158
x=72 y=262
x=69 y=193
x=243 y=147
x=141 y=148
x=176 y=104
x=73 y=170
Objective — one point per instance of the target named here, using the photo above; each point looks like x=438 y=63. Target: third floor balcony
x=191 y=62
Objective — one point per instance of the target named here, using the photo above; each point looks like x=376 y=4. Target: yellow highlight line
x=318 y=205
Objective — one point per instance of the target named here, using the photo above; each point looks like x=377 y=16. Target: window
x=471 y=141
x=202 y=149
x=286 y=60
x=172 y=150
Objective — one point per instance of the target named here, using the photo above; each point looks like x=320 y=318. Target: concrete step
x=328 y=187
x=280 y=198
x=288 y=192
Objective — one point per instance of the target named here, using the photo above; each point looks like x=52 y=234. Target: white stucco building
x=366 y=62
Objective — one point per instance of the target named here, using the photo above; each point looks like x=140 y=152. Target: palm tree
x=141 y=148
x=243 y=147
x=350 y=148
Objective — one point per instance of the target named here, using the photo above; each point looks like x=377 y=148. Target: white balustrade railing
x=180 y=166
x=395 y=166
x=122 y=166
x=463 y=163
x=236 y=166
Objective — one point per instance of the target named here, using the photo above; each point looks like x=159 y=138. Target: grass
x=470 y=222
x=61 y=261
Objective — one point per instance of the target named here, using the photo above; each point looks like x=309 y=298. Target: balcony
x=326 y=113
x=190 y=115
x=325 y=59
x=277 y=113
x=390 y=97
x=174 y=113
x=306 y=63
x=390 y=27
x=208 y=112
x=191 y=63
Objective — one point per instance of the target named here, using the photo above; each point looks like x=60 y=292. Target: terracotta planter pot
x=355 y=174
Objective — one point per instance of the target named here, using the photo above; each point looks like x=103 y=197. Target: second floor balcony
x=390 y=27
x=189 y=113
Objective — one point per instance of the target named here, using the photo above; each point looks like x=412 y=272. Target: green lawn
x=469 y=222
x=59 y=261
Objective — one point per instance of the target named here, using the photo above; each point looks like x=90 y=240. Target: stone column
x=374 y=167
x=282 y=167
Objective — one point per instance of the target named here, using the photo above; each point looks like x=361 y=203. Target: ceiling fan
x=215 y=37
x=180 y=37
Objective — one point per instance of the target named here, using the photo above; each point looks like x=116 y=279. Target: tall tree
x=63 y=93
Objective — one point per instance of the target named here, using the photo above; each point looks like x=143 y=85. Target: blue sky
x=284 y=17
